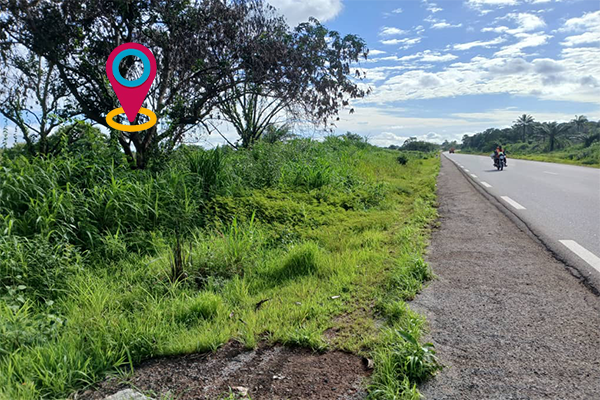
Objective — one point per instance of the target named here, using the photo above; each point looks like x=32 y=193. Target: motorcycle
x=499 y=162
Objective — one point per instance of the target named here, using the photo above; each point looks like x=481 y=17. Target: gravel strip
x=508 y=320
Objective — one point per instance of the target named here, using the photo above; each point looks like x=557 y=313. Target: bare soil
x=508 y=320
x=269 y=372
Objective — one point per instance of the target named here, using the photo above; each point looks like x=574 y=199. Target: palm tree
x=579 y=122
x=526 y=122
x=553 y=131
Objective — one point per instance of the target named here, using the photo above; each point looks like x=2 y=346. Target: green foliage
x=406 y=358
x=35 y=269
x=271 y=242
x=402 y=159
x=412 y=144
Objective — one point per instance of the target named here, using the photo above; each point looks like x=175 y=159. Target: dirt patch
x=267 y=372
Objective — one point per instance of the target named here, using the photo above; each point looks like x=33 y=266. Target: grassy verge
x=102 y=267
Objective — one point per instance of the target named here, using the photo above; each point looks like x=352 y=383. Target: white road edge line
x=513 y=203
x=583 y=253
x=487 y=185
x=550 y=173
x=467 y=170
x=474 y=176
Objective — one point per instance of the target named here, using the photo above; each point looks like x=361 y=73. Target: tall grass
x=102 y=266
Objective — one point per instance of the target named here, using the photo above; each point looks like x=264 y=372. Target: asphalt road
x=559 y=203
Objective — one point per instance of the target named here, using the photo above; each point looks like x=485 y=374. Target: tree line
x=414 y=144
x=218 y=61
x=528 y=135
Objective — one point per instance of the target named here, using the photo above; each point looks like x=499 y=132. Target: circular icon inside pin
x=131 y=93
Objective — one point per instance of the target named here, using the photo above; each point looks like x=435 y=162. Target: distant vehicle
x=452 y=150
x=499 y=162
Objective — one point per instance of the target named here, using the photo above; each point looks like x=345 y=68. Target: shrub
x=402 y=159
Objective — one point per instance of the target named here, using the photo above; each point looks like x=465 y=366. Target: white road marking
x=513 y=203
x=550 y=173
x=583 y=253
x=474 y=176
x=487 y=185
x=467 y=170
x=462 y=167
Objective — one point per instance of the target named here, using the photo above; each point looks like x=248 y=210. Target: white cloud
x=587 y=38
x=497 y=29
x=438 y=57
x=479 y=3
x=429 y=56
x=526 y=22
x=397 y=11
x=385 y=127
x=376 y=52
x=391 y=31
x=503 y=117
x=589 y=21
x=431 y=7
x=297 y=11
x=406 y=42
x=392 y=41
x=444 y=24
x=589 y=24
x=479 y=43
x=575 y=76
x=526 y=40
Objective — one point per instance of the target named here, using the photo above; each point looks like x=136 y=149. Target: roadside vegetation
x=576 y=142
x=116 y=247
x=103 y=266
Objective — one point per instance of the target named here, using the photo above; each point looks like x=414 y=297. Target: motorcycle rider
x=497 y=153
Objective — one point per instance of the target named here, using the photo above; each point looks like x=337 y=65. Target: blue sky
x=442 y=69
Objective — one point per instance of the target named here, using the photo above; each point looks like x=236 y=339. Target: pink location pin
x=131 y=94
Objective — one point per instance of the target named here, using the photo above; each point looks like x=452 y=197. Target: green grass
x=290 y=241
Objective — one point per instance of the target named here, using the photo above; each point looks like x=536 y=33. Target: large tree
x=525 y=123
x=553 y=131
x=310 y=78
x=579 y=123
x=204 y=50
x=32 y=98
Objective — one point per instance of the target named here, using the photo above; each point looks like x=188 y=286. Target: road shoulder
x=507 y=318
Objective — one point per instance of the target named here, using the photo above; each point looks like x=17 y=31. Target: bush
x=413 y=360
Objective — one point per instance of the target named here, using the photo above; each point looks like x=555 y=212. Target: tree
x=579 y=123
x=413 y=144
x=553 y=131
x=277 y=133
x=203 y=49
x=525 y=122
x=309 y=79
x=32 y=98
